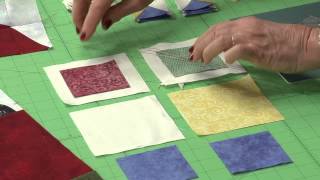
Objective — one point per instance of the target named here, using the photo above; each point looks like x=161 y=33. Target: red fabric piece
x=88 y=80
x=12 y=42
x=28 y=151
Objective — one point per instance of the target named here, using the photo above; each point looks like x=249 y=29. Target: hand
x=88 y=13
x=279 y=47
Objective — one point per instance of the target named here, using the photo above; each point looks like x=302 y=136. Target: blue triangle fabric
x=166 y=163
x=250 y=152
x=196 y=5
x=153 y=19
x=199 y=7
x=200 y=11
x=151 y=13
x=293 y=78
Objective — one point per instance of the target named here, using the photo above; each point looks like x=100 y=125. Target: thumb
x=122 y=9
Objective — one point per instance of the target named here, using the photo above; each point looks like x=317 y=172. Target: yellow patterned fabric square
x=224 y=107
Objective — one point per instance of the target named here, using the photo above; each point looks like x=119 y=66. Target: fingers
x=88 y=13
x=214 y=32
x=233 y=54
x=79 y=11
x=94 y=15
x=215 y=48
x=239 y=51
x=122 y=9
x=201 y=44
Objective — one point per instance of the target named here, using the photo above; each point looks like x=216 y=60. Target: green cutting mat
x=23 y=78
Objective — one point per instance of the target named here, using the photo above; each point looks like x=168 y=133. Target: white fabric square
x=6 y=100
x=24 y=17
x=167 y=78
x=137 y=85
x=125 y=126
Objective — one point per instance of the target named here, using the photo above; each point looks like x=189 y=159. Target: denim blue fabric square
x=161 y=164
x=250 y=152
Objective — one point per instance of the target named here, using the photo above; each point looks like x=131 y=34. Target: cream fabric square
x=125 y=126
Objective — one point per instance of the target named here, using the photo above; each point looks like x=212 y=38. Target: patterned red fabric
x=13 y=42
x=28 y=151
x=94 y=79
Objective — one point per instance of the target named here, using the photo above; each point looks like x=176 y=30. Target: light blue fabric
x=161 y=164
x=250 y=152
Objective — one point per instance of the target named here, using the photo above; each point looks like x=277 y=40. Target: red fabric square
x=13 y=42
x=88 y=80
x=28 y=151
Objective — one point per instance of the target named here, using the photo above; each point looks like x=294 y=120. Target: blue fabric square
x=250 y=152
x=161 y=164
x=151 y=14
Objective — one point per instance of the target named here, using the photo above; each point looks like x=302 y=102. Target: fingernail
x=83 y=36
x=191 y=49
x=191 y=58
x=77 y=30
x=107 y=23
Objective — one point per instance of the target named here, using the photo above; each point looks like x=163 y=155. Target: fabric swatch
x=200 y=11
x=292 y=15
x=195 y=7
x=166 y=163
x=97 y=79
x=7 y=105
x=157 y=10
x=21 y=29
x=13 y=42
x=177 y=61
x=28 y=151
x=170 y=63
x=125 y=126
x=151 y=14
x=225 y=107
x=249 y=153
x=295 y=78
x=83 y=81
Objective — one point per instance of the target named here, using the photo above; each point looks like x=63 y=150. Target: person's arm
x=288 y=48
